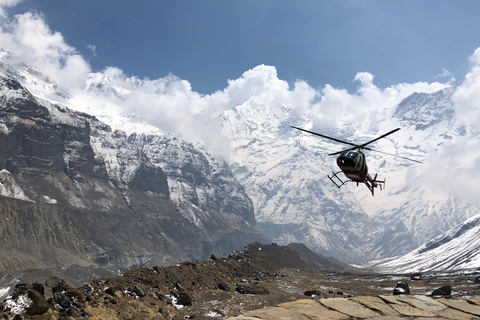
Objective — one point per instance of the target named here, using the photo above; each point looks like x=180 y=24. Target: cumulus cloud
x=170 y=104
x=452 y=169
x=261 y=85
x=455 y=164
x=467 y=95
x=339 y=107
x=32 y=42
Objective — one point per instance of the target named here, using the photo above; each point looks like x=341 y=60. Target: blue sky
x=179 y=65
x=321 y=42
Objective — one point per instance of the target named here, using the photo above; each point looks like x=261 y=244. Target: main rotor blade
x=338 y=152
x=394 y=155
x=383 y=136
x=321 y=135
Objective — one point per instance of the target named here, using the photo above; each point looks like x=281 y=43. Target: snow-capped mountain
x=414 y=209
x=285 y=174
x=458 y=248
x=74 y=191
x=284 y=171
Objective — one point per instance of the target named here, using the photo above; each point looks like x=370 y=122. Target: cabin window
x=346 y=162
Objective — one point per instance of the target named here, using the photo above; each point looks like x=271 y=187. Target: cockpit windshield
x=350 y=160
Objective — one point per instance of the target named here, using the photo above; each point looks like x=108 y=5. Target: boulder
x=183 y=298
x=311 y=293
x=39 y=304
x=224 y=286
x=401 y=288
x=443 y=291
x=62 y=300
x=138 y=291
x=55 y=283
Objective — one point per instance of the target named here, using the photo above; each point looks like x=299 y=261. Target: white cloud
x=6 y=4
x=453 y=168
x=262 y=85
x=475 y=57
x=93 y=49
x=445 y=74
x=467 y=95
x=339 y=107
x=32 y=42
x=170 y=104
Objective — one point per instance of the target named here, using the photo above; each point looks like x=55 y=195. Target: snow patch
x=10 y=188
x=213 y=314
x=4 y=292
x=18 y=306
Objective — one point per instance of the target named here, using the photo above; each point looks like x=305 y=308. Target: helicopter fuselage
x=353 y=165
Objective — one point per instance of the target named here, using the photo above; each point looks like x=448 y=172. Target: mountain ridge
x=76 y=192
x=284 y=172
x=396 y=221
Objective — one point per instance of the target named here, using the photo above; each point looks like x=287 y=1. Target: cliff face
x=74 y=192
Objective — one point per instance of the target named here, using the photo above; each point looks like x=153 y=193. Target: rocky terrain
x=259 y=277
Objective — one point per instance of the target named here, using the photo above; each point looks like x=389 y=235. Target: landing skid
x=336 y=179
x=366 y=179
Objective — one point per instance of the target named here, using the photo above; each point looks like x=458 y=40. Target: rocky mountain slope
x=205 y=287
x=456 y=249
x=72 y=191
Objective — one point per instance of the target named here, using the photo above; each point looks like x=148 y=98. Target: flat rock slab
x=369 y=308
x=450 y=313
x=349 y=307
x=274 y=313
x=313 y=310
x=462 y=305
x=391 y=317
x=406 y=309
x=375 y=303
x=423 y=302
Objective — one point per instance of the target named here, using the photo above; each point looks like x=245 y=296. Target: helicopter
x=353 y=164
